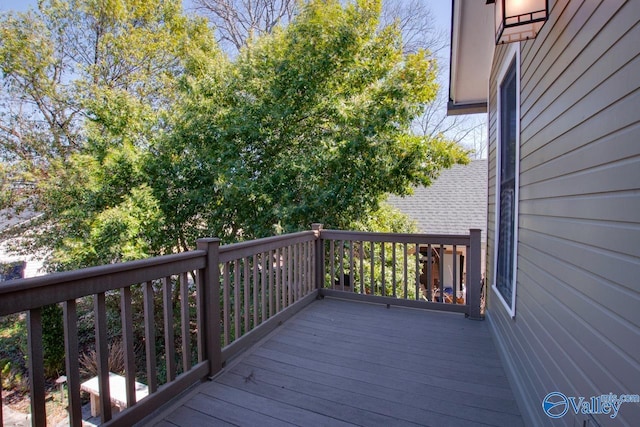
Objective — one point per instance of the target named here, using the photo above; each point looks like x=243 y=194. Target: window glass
x=507 y=185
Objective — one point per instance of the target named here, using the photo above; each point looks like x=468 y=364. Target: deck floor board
x=344 y=363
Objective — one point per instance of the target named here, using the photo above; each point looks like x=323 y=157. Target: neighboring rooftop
x=8 y=220
x=452 y=204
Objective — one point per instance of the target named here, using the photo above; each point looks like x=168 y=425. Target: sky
x=440 y=8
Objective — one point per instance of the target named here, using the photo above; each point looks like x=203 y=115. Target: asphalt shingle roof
x=452 y=204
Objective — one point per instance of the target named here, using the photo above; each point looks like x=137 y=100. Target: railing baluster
x=237 y=333
x=341 y=264
x=282 y=289
x=263 y=286
x=36 y=367
x=226 y=303
x=332 y=266
x=270 y=267
x=382 y=267
x=70 y=321
x=308 y=269
x=294 y=274
x=441 y=252
x=246 y=294
x=169 y=339
x=285 y=277
x=429 y=285
x=393 y=269
x=185 y=322
x=373 y=266
x=290 y=276
x=417 y=271
x=454 y=283
x=200 y=338
x=102 y=356
x=301 y=266
x=126 y=316
x=278 y=267
x=256 y=307
x=361 y=254
x=282 y=294
x=405 y=273
x=352 y=276
x=305 y=269
x=150 y=336
x=312 y=266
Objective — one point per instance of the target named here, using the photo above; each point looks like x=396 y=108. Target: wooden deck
x=349 y=363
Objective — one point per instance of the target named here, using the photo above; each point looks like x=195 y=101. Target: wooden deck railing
x=440 y=272
x=200 y=308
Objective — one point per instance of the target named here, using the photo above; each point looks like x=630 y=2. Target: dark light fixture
x=518 y=20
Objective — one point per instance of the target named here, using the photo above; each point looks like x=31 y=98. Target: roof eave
x=468 y=108
x=472 y=44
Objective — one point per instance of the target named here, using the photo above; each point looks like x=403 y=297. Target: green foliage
x=12 y=377
x=309 y=124
x=387 y=219
x=53 y=340
x=13 y=347
x=86 y=87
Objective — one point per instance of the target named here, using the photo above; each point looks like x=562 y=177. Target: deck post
x=319 y=248
x=211 y=299
x=36 y=367
x=473 y=275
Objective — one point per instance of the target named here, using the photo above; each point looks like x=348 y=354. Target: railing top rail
x=24 y=294
x=434 y=239
x=252 y=247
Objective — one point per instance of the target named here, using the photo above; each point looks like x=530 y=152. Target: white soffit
x=472 y=44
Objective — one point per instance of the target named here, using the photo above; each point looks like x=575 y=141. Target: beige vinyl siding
x=577 y=324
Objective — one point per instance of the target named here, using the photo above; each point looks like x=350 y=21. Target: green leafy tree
x=168 y=140
x=86 y=88
x=311 y=123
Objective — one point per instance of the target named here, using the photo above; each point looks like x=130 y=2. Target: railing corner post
x=474 y=279
x=211 y=303
x=319 y=248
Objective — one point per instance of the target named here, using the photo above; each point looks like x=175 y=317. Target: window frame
x=512 y=57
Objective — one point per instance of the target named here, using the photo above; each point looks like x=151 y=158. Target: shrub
x=89 y=360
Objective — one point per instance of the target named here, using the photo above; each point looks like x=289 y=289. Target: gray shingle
x=454 y=203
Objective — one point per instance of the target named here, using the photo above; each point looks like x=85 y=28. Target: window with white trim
x=507 y=163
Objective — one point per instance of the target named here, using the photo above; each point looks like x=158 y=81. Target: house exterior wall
x=33 y=264
x=576 y=328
